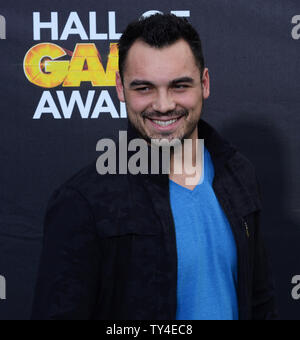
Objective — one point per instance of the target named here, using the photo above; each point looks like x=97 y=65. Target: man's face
x=163 y=91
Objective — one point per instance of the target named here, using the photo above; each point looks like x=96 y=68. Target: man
x=153 y=246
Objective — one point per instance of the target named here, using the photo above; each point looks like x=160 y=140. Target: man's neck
x=190 y=163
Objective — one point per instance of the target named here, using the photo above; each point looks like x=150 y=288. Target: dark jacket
x=110 y=246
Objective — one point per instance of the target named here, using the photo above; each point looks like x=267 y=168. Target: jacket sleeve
x=264 y=304
x=68 y=277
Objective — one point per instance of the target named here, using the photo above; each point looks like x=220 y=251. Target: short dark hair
x=160 y=30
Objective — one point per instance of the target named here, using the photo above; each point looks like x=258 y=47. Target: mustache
x=170 y=114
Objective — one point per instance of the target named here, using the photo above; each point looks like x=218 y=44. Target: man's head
x=162 y=77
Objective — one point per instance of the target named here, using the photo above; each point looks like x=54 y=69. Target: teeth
x=167 y=123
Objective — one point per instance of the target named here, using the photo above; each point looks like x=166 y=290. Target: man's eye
x=181 y=86
x=143 y=89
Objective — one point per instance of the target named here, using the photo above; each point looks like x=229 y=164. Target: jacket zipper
x=242 y=260
x=245 y=224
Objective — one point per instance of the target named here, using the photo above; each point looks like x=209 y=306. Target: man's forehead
x=173 y=61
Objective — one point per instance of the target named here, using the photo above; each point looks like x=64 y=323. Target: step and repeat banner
x=57 y=99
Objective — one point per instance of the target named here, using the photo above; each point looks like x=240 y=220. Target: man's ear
x=120 y=88
x=206 y=84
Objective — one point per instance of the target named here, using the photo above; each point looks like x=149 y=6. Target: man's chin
x=161 y=142
x=168 y=138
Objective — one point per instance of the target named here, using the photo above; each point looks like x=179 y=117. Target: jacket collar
x=225 y=157
x=220 y=150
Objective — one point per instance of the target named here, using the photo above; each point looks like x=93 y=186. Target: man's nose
x=164 y=102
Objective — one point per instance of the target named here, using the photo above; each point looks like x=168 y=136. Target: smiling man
x=163 y=90
x=164 y=87
x=149 y=246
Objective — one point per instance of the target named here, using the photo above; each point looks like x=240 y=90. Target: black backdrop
x=253 y=54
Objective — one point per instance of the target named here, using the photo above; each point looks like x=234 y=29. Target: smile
x=165 y=125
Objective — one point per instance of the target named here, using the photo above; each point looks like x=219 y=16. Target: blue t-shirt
x=207 y=255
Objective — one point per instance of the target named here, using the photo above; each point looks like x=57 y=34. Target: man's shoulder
x=82 y=178
x=234 y=169
x=92 y=186
x=243 y=166
x=244 y=180
x=226 y=153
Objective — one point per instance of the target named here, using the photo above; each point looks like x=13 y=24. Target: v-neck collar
x=203 y=175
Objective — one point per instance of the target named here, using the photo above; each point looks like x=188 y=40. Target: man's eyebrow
x=182 y=80
x=137 y=82
x=140 y=82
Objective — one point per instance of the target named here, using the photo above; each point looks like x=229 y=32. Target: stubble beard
x=188 y=126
